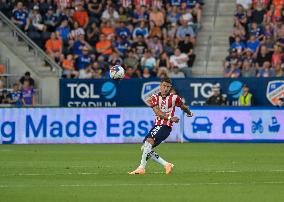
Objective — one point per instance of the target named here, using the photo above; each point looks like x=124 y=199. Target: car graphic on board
x=201 y=123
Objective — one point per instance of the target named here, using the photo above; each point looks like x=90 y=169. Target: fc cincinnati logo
x=275 y=90
x=148 y=89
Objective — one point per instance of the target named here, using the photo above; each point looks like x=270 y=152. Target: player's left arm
x=179 y=103
x=186 y=110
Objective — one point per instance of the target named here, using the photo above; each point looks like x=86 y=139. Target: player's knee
x=150 y=140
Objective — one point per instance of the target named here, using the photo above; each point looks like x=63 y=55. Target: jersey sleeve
x=179 y=101
x=153 y=101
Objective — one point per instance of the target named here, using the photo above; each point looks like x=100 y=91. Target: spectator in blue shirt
x=240 y=15
x=20 y=17
x=84 y=60
x=253 y=44
x=15 y=97
x=139 y=16
x=173 y=15
x=122 y=45
x=183 y=30
x=233 y=71
x=255 y=30
x=76 y=46
x=141 y=30
x=238 y=44
x=122 y=30
x=63 y=31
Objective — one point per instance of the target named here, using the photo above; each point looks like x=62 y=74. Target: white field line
x=149 y=184
x=47 y=174
x=171 y=184
x=88 y=166
x=101 y=173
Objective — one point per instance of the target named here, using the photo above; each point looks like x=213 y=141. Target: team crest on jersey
x=148 y=89
x=275 y=90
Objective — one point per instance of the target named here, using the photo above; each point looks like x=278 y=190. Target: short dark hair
x=167 y=80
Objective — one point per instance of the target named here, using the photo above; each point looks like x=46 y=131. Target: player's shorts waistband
x=165 y=126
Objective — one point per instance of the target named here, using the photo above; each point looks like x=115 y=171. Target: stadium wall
x=130 y=125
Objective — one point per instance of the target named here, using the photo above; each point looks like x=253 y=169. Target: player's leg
x=146 y=153
x=155 y=137
x=147 y=148
x=156 y=157
x=162 y=135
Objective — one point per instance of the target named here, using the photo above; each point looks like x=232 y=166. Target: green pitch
x=98 y=173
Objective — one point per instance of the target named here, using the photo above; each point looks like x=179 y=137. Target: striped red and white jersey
x=166 y=105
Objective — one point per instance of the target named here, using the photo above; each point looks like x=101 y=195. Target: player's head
x=165 y=86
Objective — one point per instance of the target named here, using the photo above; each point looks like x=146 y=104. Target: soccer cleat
x=169 y=167
x=138 y=171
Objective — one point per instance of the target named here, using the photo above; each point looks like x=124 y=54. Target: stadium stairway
x=212 y=40
x=24 y=58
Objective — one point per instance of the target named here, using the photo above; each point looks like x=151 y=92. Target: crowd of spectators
x=150 y=38
x=257 y=40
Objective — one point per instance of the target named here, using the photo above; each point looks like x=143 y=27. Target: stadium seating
x=257 y=40
x=113 y=32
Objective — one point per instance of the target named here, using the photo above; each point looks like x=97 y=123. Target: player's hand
x=175 y=119
x=190 y=114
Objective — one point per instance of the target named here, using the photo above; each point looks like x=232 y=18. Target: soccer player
x=163 y=105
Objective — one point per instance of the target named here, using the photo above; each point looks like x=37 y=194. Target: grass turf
x=203 y=172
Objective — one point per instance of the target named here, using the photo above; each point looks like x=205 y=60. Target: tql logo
x=275 y=90
x=148 y=89
x=90 y=90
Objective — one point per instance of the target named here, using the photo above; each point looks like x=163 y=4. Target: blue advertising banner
x=131 y=125
x=234 y=124
x=135 y=92
x=78 y=125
